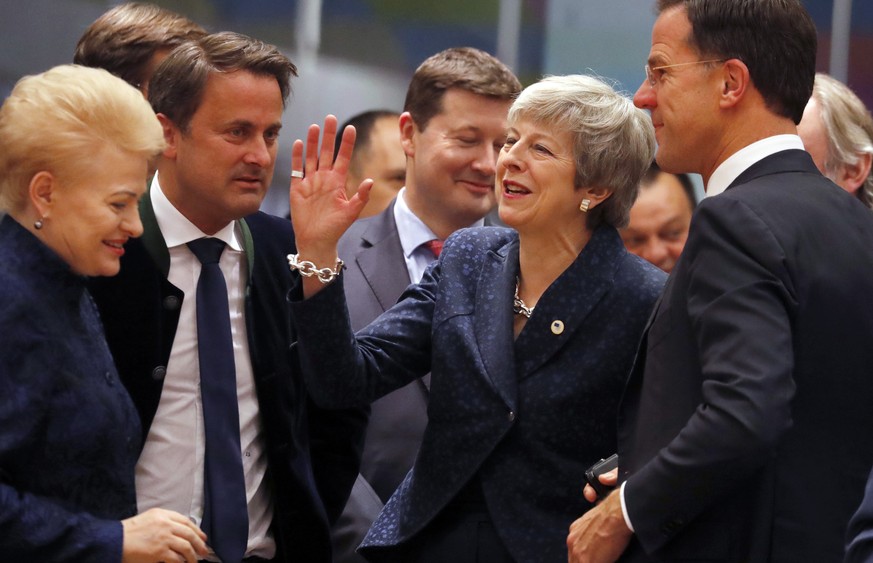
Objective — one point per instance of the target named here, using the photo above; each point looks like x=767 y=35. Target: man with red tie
x=452 y=127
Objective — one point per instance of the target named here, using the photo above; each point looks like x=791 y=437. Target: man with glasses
x=744 y=431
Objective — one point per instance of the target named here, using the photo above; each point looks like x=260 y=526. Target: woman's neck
x=543 y=257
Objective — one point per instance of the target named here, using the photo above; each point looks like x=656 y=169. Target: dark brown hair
x=776 y=39
x=363 y=123
x=124 y=39
x=654 y=171
x=464 y=68
x=176 y=89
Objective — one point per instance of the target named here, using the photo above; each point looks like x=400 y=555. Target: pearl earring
x=38 y=224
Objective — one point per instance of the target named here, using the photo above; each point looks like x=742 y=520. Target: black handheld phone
x=593 y=473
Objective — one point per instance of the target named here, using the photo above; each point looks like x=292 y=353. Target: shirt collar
x=178 y=230
x=740 y=161
x=412 y=230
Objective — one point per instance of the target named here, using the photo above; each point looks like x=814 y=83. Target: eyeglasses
x=654 y=80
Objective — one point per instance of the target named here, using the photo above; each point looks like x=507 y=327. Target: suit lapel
x=493 y=320
x=381 y=260
x=568 y=301
x=248 y=245
x=792 y=160
x=152 y=238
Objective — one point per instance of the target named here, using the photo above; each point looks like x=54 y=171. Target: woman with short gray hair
x=529 y=333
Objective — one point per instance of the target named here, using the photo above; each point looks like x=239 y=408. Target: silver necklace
x=518 y=306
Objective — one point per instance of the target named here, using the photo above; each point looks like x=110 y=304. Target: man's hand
x=610 y=478
x=601 y=535
x=161 y=535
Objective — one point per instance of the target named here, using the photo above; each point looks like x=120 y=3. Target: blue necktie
x=225 y=514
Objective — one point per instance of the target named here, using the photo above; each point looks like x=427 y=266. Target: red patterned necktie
x=435 y=246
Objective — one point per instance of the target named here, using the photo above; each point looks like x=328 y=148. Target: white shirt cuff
x=624 y=508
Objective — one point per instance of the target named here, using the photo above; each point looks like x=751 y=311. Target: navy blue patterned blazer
x=525 y=416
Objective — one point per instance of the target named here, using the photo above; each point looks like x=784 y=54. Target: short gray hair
x=849 y=129
x=613 y=141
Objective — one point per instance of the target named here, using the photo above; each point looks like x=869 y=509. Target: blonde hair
x=613 y=141
x=54 y=120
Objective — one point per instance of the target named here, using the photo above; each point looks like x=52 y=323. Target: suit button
x=511 y=416
x=171 y=303
x=159 y=373
x=557 y=327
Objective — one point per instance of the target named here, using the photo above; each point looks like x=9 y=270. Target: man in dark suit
x=452 y=127
x=744 y=431
x=220 y=101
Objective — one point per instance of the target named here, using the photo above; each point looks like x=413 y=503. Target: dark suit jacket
x=312 y=454
x=524 y=416
x=746 y=424
x=860 y=533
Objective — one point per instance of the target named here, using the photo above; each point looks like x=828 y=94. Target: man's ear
x=735 y=82
x=42 y=192
x=408 y=129
x=853 y=176
x=171 y=136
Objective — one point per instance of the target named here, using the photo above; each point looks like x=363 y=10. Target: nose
x=259 y=153
x=508 y=158
x=645 y=96
x=132 y=225
x=486 y=160
x=656 y=253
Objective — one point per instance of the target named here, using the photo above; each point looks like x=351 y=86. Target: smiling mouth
x=514 y=189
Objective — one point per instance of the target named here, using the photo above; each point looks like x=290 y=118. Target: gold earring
x=583 y=207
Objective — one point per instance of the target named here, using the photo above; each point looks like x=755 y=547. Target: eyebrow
x=249 y=125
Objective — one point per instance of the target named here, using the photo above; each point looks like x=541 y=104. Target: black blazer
x=745 y=428
x=312 y=454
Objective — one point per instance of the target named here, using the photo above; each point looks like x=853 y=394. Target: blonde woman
x=74 y=150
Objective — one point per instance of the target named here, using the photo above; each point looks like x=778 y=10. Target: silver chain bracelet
x=308 y=269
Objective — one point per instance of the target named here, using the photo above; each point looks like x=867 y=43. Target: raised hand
x=320 y=209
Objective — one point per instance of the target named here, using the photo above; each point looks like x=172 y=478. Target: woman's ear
x=41 y=192
x=595 y=195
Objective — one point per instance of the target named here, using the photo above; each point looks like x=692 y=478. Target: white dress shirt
x=169 y=473
x=413 y=233
x=743 y=159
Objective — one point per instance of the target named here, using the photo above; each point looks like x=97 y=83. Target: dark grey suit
x=746 y=424
x=375 y=277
